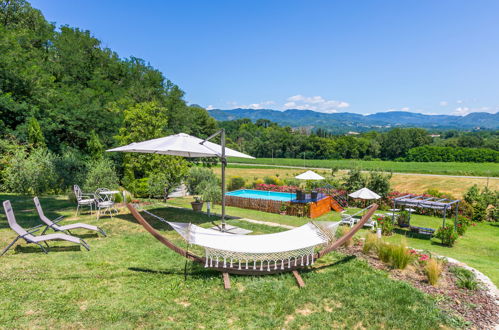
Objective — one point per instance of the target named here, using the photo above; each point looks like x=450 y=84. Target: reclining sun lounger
x=30 y=238
x=53 y=224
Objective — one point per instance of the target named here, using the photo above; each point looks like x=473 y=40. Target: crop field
x=450 y=168
x=456 y=186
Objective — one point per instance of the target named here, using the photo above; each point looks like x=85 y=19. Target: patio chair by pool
x=83 y=199
x=66 y=229
x=28 y=236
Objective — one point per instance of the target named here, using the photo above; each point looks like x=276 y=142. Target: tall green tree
x=35 y=134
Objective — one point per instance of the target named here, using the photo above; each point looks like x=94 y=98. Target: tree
x=147 y=120
x=168 y=176
x=94 y=146
x=355 y=180
x=197 y=175
x=35 y=135
x=379 y=183
x=101 y=174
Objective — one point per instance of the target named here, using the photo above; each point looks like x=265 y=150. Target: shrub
x=370 y=243
x=291 y=182
x=465 y=279
x=462 y=225
x=212 y=192
x=433 y=270
x=139 y=187
x=31 y=174
x=101 y=174
x=400 y=255
x=447 y=235
x=196 y=176
x=273 y=180
x=257 y=182
x=71 y=168
x=386 y=225
x=235 y=183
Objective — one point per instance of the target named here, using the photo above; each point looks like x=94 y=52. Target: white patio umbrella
x=186 y=145
x=364 y=193
x=309 y=175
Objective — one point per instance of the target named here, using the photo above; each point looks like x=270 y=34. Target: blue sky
x=429 y=56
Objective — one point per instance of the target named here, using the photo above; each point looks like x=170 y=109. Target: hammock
x=256 y=254
x=249 y=251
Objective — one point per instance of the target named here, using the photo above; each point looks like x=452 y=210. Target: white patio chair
x=347 y=219
x=83 y=199
x=28 y=236
x=104 y=202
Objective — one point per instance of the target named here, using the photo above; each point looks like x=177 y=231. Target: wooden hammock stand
x=235 y=269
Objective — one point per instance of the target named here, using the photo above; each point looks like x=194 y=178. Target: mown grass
x=130 y=280
x=478 y=247
x=450 y=168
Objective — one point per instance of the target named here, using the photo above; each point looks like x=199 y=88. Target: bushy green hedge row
x=452 y=154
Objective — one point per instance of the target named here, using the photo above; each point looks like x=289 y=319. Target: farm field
x=450 y=168
x=129 y=280
x=455 y=186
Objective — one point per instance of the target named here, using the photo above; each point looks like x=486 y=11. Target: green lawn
x=479 y=247
x=129 y=280
x=450 y=168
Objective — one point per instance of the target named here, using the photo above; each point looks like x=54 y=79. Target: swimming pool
x=261 y=194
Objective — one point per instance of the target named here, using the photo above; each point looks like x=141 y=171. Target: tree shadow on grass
x=410 y=234
x=25 y=211
x=193 y=271
x=170 y=214
x=37 y=249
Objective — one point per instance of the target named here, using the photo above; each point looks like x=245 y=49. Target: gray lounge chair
x=28 y=236
x=53 y=224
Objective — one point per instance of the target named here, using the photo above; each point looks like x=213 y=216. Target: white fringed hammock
x=259 y=252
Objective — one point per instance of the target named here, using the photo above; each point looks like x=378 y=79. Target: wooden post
x=226 y=279
x=298 y=279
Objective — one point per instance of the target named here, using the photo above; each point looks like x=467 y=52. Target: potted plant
x=197 y=205
x=283 y=209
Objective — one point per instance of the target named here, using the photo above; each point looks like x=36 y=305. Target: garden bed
x=477 y=307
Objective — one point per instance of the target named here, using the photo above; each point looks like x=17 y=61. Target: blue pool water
x=260 y=194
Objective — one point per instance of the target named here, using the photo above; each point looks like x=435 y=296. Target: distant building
x=353 y=133
x=434 y=135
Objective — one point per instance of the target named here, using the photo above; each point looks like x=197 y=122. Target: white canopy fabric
x=182 y=144
x=309 y=175
x=364 y=193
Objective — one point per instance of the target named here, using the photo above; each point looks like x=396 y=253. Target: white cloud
x=254 y=106
x=444 y=103
x=210 y=107
x=459 y=101
x=315 y=103
x=400 y=109
x=463 y=111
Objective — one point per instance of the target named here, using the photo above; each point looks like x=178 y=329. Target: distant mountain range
x=345 y=121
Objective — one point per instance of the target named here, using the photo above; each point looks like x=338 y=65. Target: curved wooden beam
x=336 y=244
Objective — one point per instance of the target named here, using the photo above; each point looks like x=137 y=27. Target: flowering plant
x=274 y=187
x=447 y=234
x=386 y=225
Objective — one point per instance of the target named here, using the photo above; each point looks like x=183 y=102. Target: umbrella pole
x=224 y=163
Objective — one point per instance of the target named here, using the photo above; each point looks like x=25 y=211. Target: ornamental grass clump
x=343 y=231
x=370 y=243
x=465 y=279
x=400 y=255
x=433 y=270
x=384 y=250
